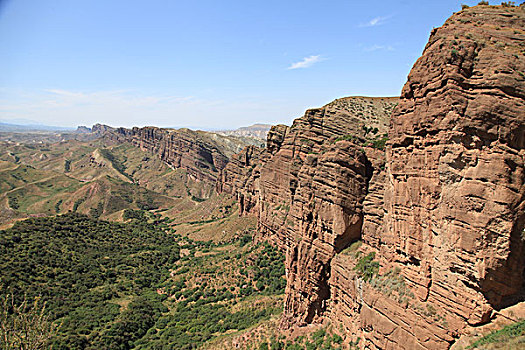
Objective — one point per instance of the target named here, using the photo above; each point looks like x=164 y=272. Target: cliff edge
x=403 y=224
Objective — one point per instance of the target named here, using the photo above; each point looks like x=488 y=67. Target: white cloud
x=378 y=47
x=306 y=62
x=376 y=21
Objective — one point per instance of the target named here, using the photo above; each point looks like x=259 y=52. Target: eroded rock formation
x=181 y=148
x=308 y=187
x=200 y=154
x=454 y=195
x=441 y=212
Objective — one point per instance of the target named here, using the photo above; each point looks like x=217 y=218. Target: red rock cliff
x=454 y=190
x=198 y=153
x=308 y=189
x=442 y=209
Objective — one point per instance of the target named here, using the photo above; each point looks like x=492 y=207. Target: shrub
x=454 y=54
x=380 y=143
x=483 y=3
x=197 y=199
x=264 y=346
x=464 y=7
x=13 y=201
x=57 y=205
x=366 y=267
x=391 y=282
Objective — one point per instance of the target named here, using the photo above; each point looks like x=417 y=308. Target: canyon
x=426 y=191
x=401 y=219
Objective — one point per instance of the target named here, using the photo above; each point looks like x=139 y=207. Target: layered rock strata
x=455 y=190
x=241 y=176
x=181 y=148
x=308 y=187
x=440 y=214
x=200 y=154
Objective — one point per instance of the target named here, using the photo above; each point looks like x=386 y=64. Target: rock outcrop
x=307 y=189
x=100 y=129
x=239 y=178
x=404 y=247
x=82 y=129
x=455 y=189
x=200 y=154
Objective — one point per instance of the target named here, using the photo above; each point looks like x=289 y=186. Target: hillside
x=109 y=173
x=133 y=286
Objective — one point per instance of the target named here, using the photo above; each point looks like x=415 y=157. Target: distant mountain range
x=10 y=127
x=258 y=131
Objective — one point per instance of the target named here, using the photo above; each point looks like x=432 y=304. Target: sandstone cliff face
x=311 y=195
x=307 y=189
x=200 y=154
x=239 y=178
x=454 y=191
x=442 y=209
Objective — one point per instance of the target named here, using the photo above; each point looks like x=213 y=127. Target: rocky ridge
x=404 y=247
x=201 y=154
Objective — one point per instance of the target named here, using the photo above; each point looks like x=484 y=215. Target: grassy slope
x=92 y=177
x=509 y=337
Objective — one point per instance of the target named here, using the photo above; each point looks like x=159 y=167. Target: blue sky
x=203 y=64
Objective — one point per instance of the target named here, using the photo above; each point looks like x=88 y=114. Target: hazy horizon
x=203 y=65
x=34 y=123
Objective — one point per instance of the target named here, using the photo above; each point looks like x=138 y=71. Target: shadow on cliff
x=504 y=285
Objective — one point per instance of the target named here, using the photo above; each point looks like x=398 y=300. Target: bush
x=366 y=267
x=380 y=143
x=263 y=346
x=483 y=3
